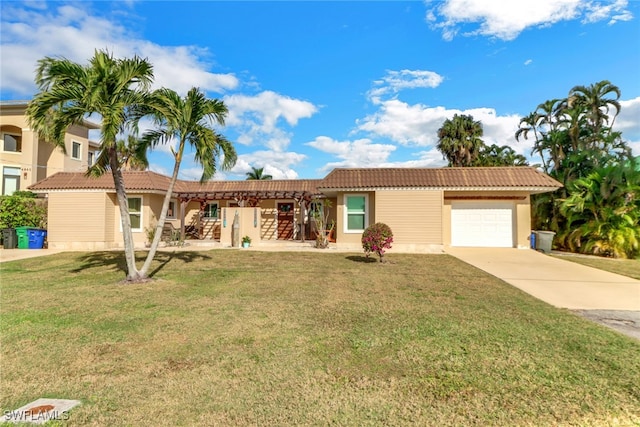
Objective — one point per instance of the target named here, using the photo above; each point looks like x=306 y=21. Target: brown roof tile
x=487 y=177
x=140 y=181
x=151 y=181
x=365 y=178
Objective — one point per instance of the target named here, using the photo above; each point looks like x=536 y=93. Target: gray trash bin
x=9 y=238
x=544 y=241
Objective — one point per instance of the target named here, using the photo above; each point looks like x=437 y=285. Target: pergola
x=247 y=194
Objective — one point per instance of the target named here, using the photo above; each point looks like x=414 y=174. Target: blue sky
x=315 y=85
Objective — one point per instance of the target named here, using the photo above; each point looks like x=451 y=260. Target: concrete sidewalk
x=17 y=254
x=560 y=283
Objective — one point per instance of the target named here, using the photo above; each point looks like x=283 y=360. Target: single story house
x=426 y=208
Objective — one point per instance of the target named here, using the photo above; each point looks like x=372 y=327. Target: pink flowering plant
x=376 y=239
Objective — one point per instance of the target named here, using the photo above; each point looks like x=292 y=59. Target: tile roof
x=151 y=181
x=525 y=178
x=133 y=181
x=484 y=177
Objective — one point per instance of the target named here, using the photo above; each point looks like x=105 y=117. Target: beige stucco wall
x=79 y=220
x=38 y=158
x=521 y=207
x=269 y=220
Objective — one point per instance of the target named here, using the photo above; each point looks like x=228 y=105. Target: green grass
x=249 y=338
x=625 y=267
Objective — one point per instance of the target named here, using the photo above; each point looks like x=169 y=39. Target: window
x=91 y=158
x=76 y=150
x=11 y=143
x=355 y=212
x=135 y=213
x=171 y=211
x=10 y=180
x=211 y=210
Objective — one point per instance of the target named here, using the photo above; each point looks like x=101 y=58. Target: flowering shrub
x=376 y=239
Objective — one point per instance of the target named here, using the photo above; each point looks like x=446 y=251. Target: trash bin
x=23 y=237
x=532 y=240
x=9 y=238
x=544 y=241
x=36 y=238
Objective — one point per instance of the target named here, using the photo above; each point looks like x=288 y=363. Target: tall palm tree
x=459 y=140
x=257 y=174
x=107 y=87
x=595 y=99
x=189 y=121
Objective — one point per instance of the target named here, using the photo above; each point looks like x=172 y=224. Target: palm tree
x=257 y=174
x=594 y=98
x=132 y=153
x=459 y=140
x=495 y=155
x=186 y=120
x=108 y=87
x=603 y=211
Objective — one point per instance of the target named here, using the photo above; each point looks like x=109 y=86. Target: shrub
x=17 y=211
x=376 y=239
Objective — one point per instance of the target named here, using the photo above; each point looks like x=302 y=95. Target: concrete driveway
x=606 y=298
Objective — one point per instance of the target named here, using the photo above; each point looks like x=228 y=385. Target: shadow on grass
x=116 y=260
x=360 y=258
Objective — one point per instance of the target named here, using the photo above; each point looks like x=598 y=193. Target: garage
x=482 y=224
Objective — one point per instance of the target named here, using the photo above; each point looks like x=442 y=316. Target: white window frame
x=4 y=175
x=79 y=157
x=15 y=135
x=175 y=208
x=136 y=230
x=346 y=213
x=212 y=218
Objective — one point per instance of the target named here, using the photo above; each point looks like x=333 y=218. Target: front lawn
x=234 y=337
x=625 y=267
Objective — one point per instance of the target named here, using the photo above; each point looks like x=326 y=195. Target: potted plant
x=246 y=241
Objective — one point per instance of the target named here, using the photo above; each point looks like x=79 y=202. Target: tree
x=108 y=87
x=189 y=121
x=603 y=212
x=594 y=100
x=132 y=153
x=495 y=155
x=573 y=136
x=257 y=174
x=459 y=140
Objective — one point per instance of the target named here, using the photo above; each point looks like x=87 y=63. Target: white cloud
x=528 y=62
x=31 y=34
x=258 y=117
x=628 y=122
x=277 y=164
x=357 y=153
x=395 y=81
x=506 y=20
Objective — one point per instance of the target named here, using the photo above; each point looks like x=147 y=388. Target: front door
x=285 y=221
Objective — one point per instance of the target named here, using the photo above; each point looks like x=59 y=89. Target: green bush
x=376 y=239
x=18 y=210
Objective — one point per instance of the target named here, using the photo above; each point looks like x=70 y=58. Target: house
x=427 y=208
x=26 y=159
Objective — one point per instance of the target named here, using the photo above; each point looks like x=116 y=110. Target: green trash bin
x=23 y=237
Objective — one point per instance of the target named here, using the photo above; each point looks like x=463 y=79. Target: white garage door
x=482 y=224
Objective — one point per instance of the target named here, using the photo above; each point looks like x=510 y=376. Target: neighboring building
x=26 y=159
x=427 y=209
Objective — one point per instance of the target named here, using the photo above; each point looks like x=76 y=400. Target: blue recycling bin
x=36 y=238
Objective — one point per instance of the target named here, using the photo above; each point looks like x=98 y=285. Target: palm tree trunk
x=127 y=235
x=163 y=215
